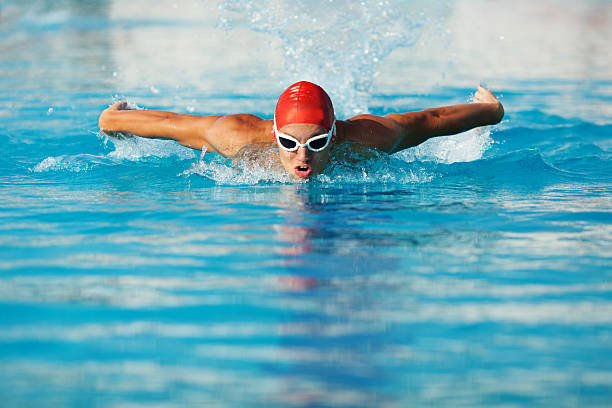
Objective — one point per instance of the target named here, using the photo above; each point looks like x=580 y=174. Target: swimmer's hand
x=122 y=105
x=483 y=95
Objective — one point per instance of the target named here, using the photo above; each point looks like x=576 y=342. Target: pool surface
x=471 y=271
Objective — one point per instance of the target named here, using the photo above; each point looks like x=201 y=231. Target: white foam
x=136 y=148
x=380 y=168
x=131 y=149
x=239 y=172
x=464 y=147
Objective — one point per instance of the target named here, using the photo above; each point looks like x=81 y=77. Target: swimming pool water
x=470 y=271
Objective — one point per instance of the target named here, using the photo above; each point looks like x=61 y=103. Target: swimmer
x=304 y=127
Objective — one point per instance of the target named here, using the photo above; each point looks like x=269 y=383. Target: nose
x=302 y=153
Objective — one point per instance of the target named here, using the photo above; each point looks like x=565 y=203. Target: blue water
x=470 y=271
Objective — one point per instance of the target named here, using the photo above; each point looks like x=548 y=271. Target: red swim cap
x=304 y=102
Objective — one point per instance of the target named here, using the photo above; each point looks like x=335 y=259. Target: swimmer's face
x=303 y=162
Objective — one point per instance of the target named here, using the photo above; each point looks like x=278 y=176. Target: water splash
x=244 y=169
x=338 y=44
x=69 y=163
x=134 y=149
x=464 y=147
x=346 y=166
x=371 y=166
x=137 y=148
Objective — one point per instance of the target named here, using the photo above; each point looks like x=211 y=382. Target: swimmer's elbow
x=499 y=113
x=104 y=122
x=109 y=120
x=425 y=124
x=414 y=129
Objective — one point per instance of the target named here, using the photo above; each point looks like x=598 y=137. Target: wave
x=459 y=155
x=517 y=134
x=131 y=149
x=526 y=166
x=473 y=298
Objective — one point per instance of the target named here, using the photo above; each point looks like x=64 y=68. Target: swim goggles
x=315 y=143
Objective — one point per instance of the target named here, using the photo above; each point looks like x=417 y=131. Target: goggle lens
x=287 y=143
x=317 y=144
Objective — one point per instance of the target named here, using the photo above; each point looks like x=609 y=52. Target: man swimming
x=304 y=127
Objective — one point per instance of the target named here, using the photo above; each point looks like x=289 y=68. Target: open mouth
x=303 y=170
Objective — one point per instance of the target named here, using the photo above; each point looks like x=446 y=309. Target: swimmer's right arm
x=225 y=135
x=416 y=127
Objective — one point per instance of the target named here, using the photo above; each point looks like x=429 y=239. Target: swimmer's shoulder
x=229 y=134
x=258 y=130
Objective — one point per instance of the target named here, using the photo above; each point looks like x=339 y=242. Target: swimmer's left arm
x=185 y=129
x=417 y=127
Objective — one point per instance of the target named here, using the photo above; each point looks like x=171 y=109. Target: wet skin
x=303 y=162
